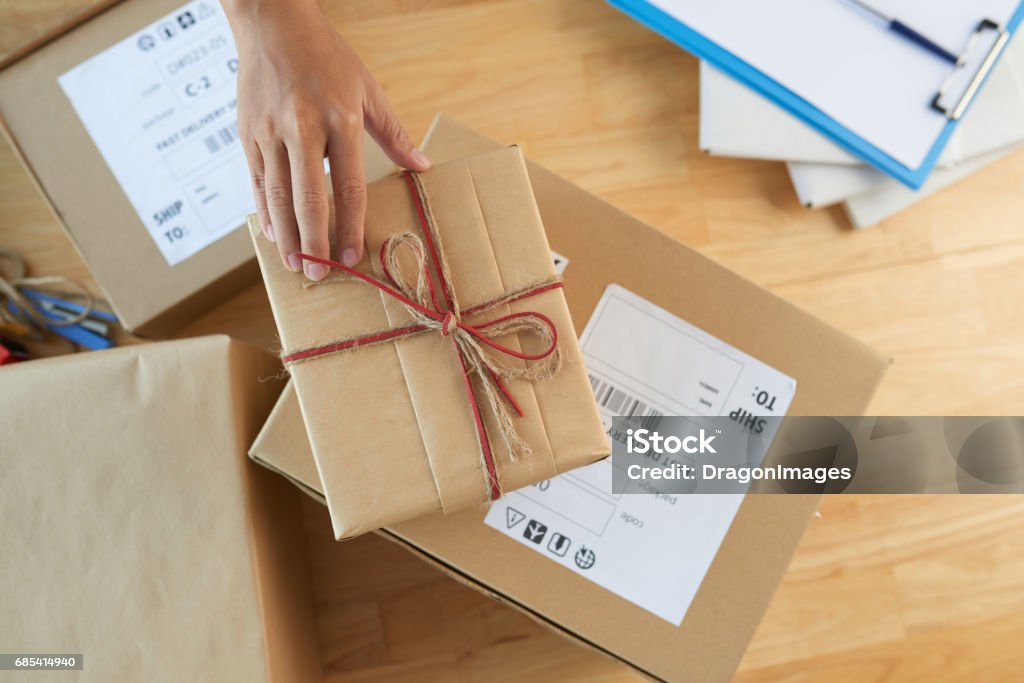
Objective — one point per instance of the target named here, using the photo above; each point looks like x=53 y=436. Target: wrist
x=248 y=16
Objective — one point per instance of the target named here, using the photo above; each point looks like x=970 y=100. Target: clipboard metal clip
x=953 y=111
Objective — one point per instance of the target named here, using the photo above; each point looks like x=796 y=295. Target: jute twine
x=479 y=353
x=25 y=311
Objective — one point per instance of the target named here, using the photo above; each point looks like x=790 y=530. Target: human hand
x=304 y=95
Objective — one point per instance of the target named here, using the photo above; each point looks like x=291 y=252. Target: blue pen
x=898 y=27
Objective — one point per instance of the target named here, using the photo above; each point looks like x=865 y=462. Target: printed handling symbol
x=146 y=42
x=186 y=19
x=535 y=531
x=585 y=557
x=166 y=30
x=559 y=544
x=513 y=517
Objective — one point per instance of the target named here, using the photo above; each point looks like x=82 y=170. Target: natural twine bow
x=477 y=350
x=24 y=312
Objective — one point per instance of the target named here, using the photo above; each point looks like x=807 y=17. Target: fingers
x=259 y=184
x=295 y=200
x=388 y=132
x=278 y=192
x=345 y=152
x=290 y=189
x=309 y=190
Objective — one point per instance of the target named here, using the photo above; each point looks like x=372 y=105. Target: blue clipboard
x=695 y=43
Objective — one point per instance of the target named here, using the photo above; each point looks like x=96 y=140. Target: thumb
x=388 y=132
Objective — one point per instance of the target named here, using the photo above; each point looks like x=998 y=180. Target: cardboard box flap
x=278 y=436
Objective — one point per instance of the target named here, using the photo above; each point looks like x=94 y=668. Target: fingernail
x=268 y=230
x=316 y=271
x=349 y=257
x=294 y=262
x=421 y=158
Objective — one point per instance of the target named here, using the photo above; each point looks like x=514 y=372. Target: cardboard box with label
x=126 y=121
x=136 y=531
x=663 y=330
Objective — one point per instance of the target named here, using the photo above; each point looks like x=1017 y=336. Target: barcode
x=620 y=402
x=222 y=138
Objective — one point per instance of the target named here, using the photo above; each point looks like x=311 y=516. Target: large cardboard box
x=136 y=531
x=835 y=375
x=150 y=296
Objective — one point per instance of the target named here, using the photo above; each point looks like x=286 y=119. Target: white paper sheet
x=821 y=185
x=844 y=61
x=160 y=106
x=737 y=121
x=642 y=361
x=993 y=126
x=870 y=208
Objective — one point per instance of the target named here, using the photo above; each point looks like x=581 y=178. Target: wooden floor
x=882 y=588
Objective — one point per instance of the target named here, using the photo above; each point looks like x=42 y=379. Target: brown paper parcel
x=391 y=424
x=136 y=531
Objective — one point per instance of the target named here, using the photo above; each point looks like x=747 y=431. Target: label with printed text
x=652 y=549
x=160 y=106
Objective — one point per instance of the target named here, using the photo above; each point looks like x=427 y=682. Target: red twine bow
x=469 y=340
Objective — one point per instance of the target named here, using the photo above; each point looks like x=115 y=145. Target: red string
x=421 y=212
x=522 y=295
x=435 y=315
x=353 y=343
x=475 y=331
x=505 y=392
x=494 y=485
x=439 y=315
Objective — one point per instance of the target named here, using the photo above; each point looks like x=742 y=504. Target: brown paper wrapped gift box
x=391 y=424
x=137 y=533
x=835 y=375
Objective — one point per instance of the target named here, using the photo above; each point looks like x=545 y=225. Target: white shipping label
x=644 y=361
x=160 y=105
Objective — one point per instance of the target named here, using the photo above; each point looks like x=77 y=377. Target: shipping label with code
x=160 y=106
x=646 y=363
